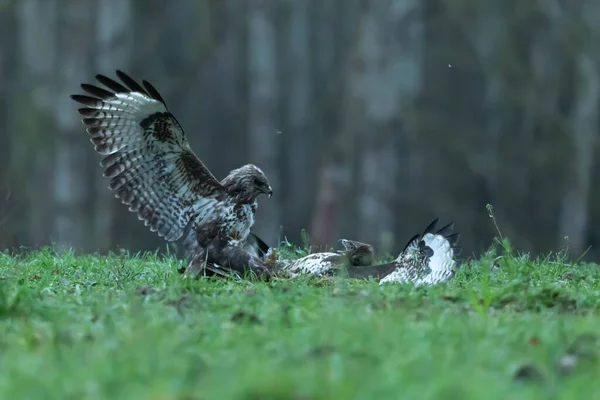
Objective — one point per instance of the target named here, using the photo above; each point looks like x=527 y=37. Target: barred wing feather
x=147 y=157
x=428 y=258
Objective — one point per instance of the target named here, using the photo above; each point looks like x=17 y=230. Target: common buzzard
x=428 y=258
x=154 y=171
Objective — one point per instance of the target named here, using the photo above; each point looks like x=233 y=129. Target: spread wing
x=427 y=258
x=444 y=249
x=147 y=157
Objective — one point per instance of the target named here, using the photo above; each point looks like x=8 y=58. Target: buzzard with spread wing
x=427 y=259
x=153 y=170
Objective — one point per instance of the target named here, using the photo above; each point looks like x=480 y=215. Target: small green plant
x=306 y=241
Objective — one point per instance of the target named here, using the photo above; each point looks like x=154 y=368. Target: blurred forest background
x=370 y=117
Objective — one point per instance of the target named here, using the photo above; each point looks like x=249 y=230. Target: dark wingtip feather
x=111 y=84
x=130 y=83
x=92 y=122
x=98 y=92
x=86 y=100
x=412 y=239
x=95 y=132
x=153 y=92
x=457 y=250
x=87 y=112
x=453 y=239
x=431 y=226
x=445 y=230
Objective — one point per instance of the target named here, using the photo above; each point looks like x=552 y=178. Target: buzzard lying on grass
x=354 y=255
x=427 y=258
x=153 y=170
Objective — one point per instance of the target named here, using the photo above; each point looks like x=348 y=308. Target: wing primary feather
x=453 y=239
x=130 y=83
x=153 y=92
x=86 y=100
x=87 y=112
x=93 y=122
x=416 y=237
x=444 y=230
x=111 y=84
x=98 y=92
x=431 y=226
x=434 y=262
x=148 y=158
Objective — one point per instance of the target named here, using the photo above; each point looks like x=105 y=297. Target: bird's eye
x=257 y=182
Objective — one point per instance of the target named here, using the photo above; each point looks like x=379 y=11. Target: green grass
x=130 y=327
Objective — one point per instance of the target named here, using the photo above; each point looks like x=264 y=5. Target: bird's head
x=247 y=183
x=358 y=253
x=353 y=245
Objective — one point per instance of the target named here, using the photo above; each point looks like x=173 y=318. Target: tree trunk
x=329 y=154
x=72 y=220
x=31 y=155
x=113 y=51
x=385 y=79
x=584 y=129
x=7 y=88
x=334 y=181
x=224 y=109
x=262 y=123
x=298 y=134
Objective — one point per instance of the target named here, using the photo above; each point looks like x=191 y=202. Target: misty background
x=370 y=117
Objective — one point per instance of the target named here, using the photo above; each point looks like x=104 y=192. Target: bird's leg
x=197 y=264
x=200 y=265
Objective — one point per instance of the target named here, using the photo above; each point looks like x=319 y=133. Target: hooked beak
x=269 y=191
x=345 y=244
